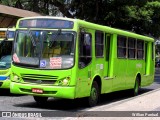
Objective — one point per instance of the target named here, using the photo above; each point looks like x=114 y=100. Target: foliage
x=140 y=16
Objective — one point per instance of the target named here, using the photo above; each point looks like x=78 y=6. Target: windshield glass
x=11 y=34
x=44 y=49
x=5 y=54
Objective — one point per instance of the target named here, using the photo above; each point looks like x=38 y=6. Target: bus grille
x=3 y=72
x=39 y=79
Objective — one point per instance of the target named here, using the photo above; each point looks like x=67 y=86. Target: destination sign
x=46 y=23
x=2 y=34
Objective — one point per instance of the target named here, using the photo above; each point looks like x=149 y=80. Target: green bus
x=5 y=56
x=71 y=58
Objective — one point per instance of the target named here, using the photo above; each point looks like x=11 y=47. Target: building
x=10 y=15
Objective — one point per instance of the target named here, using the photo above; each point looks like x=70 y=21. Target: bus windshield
x=3 y=34
x=11 y=34
x=44 y=49
x=6 y=48
x=5 y=54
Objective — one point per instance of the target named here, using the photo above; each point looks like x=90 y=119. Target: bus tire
x=40 y=100
x=94 y=95
x=136 y=87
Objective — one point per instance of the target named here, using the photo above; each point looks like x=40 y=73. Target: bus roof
x=3 y=33
x=5 y=29
x=90 y=25
x=115 y=30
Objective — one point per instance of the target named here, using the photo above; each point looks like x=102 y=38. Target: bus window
x=85 y=50
x=121 y=43
x=131 y=48
x=6 y=48
x=99 y=43
x=140 y=49
x=153 y=51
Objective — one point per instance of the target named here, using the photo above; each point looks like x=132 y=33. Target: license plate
x=36 y=90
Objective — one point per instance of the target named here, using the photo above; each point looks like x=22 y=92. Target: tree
x=140 y=16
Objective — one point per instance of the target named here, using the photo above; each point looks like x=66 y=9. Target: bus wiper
x=32 y=39
x=56 y=35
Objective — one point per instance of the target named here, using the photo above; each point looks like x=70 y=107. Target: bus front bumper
x=67 y=92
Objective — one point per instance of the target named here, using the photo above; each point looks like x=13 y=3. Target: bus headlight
x=15 y=78
x=64 y=81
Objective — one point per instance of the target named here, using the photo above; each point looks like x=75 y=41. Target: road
x=11 y=102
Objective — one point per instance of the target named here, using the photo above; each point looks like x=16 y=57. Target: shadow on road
x=6 y=92
x=120 y=95
x=80 y=104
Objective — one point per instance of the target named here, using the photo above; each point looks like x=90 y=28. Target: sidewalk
x=134 y=108
x=149 y=101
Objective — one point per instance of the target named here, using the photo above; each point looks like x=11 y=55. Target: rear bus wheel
x=136 y=87
x=40 y=100
x=94 y=95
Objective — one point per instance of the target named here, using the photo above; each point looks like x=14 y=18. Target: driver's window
x=85 y=49
x=21 y=38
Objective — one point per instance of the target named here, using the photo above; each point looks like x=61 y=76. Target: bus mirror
x=44 y=35
x=83 y=31
x=15 y=46
x=9 y=34
x=87 y=39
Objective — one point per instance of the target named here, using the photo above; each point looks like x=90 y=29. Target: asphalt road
x=64 y=108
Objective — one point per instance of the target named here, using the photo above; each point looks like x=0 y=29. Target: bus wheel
x=94 y=95
x=40 y=100
x=136 y=87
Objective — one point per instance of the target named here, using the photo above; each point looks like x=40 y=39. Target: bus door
x=107 y=84
x=107 y=51
x=84 y=64
x=146 y=52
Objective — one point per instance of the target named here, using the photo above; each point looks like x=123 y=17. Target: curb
x=122 y=101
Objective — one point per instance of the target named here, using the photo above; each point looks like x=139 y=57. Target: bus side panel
x=109 y=54
x=118 y=71
x=85 y=74
x=120 y=75
x=82 y=86
x=133 y=68
x=148 y=78
x=106 y=86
